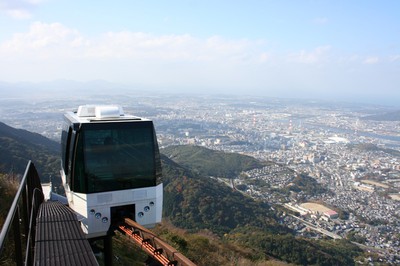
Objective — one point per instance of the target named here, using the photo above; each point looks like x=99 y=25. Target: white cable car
x=111 y=168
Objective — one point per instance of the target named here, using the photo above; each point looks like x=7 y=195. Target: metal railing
x=21 y=220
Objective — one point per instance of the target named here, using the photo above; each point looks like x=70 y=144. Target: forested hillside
x=203 y=161
x=8 y=188
x=18 y=146
x=196 y=202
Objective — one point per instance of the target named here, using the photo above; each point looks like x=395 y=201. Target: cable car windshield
x=116 y=156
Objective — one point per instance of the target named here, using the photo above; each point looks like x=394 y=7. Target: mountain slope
x=208 y=162
x=18 y=146
x=196 y=202
x=27 y=137
x=8 y=188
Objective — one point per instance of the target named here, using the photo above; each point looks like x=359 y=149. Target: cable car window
x=116 y=156
x=67 y=137
x=70 y=152
x=64 y=148
x=79 y=181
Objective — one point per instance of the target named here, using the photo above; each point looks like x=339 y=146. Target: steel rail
x=153 y=245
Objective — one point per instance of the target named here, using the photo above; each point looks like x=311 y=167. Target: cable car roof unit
x=100 y=113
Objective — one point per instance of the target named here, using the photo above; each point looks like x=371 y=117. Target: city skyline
x=308 y=49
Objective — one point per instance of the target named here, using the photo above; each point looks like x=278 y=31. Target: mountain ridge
x=204 y=161
x=18 y=146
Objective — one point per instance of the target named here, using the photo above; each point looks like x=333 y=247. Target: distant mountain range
x=57 y=88
x=197 y=203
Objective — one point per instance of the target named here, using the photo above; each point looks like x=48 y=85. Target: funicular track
x=152 y=245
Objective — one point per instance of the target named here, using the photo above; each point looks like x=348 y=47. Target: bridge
x=39 y=232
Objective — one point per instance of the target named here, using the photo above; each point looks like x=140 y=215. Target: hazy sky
x=332 y=49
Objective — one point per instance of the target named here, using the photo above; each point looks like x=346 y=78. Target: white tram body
x=110 y=168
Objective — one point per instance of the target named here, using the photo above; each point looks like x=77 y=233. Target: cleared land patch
x=315 y=207
x=374 y=183
x=395 y=196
